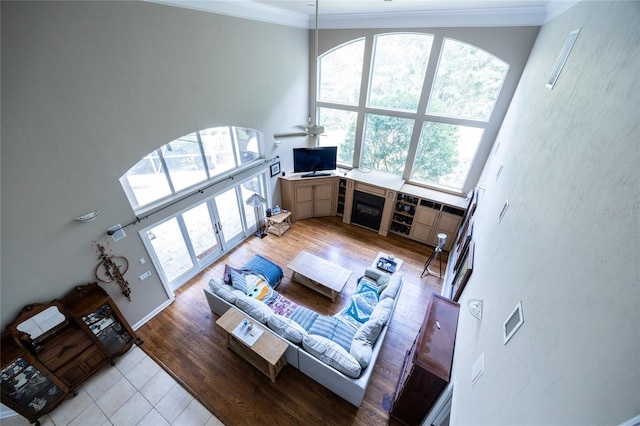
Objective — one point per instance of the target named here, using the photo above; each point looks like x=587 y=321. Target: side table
x=279 y=223
x=266 y=354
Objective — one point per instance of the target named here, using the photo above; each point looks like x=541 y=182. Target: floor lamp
x=437 y=253
x=257 y=201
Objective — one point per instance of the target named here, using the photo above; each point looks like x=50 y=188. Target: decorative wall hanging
x=112 y=268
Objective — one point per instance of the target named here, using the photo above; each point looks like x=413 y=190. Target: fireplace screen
x=367 y=210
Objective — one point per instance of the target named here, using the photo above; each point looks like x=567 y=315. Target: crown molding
x=508 y=16
x=496 y=17
x=242 y=9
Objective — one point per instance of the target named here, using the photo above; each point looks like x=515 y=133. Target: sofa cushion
x=332 y=354
x=362 y=351
x=287 y=328
x=304 y=316
x=254 y=308
x=223 y=291
x=333 y=329
x=393 y=286
x=383 y=310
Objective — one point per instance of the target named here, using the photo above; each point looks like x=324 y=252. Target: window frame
x=176 y=195
x=421 y=116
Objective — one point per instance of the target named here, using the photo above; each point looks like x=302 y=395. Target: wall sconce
x=87 y=217
x=475 y=308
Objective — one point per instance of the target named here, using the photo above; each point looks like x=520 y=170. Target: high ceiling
x=384 y=13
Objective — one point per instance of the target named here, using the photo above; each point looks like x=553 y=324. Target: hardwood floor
x=185 y=340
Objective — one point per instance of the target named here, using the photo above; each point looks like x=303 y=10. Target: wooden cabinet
x=423 y=219
x=426 y=370
x=52 y=348
x=309 y=197
x=342 y=196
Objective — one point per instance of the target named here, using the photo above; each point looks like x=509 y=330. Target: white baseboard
x=152 y=314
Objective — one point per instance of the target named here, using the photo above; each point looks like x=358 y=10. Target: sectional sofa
x=322 y=347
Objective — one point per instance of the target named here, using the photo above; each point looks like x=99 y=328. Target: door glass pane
x=200 y=230
x=184 y=161
x=467 y=83
x=340 y=73
x=399 y=66
x=229 y=213
x=386 y=143
x=342 y=125
x=170 y=248
x=445 y=153
x=247 y=189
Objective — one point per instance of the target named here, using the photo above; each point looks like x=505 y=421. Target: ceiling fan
x=311 y=129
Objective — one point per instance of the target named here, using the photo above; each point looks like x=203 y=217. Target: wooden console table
x=266 y=354
x=279 y=224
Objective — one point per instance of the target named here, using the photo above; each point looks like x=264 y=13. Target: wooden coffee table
x=318 y=274
x=266 y=354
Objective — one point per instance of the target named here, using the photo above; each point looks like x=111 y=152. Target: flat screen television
x=313 y=161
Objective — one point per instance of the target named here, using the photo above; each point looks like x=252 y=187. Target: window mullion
x=166 y=171
x=430 y=74
x=362 y=102
x=204 y=157
x=427 y=85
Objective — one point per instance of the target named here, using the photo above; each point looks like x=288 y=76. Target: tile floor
x=137 y=391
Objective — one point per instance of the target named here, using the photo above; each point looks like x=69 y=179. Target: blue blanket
x=272 y=272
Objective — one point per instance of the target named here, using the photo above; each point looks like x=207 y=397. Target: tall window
x=189 y=162
x=426 y=110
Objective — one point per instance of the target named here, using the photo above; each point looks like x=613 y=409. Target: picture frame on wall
x=275 y=169
x=464 y=272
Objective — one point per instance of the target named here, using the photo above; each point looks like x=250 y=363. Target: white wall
x=568 y=247
x=88 y=88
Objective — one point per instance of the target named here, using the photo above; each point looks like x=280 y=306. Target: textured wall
x=568 y=247
x=89 y=88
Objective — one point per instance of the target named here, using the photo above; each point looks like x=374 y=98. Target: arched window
x=189 y=162
x=422 y=119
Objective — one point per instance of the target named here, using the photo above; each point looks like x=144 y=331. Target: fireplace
x=367 y=210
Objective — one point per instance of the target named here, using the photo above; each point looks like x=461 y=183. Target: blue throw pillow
x=238 y=281
x=362 y=303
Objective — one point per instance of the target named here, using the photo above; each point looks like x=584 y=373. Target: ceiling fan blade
x=289 y=135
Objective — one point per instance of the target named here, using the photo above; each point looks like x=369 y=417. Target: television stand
x=316 y=174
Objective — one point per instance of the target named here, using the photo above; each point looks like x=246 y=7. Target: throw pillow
x=239 y=281
x=369 y=331
x=362 y=351
x=392 y=289
x=383 y=310
x=255 y=309
x=332 y=354
x=383 y=282
x=221 y=291
x=287 y=328
x=226 y=277
x=362 y=303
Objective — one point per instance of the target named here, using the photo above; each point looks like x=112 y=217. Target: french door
x=184 y=244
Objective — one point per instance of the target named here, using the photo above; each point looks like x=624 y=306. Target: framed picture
x=464 y=272
x=275 y=169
